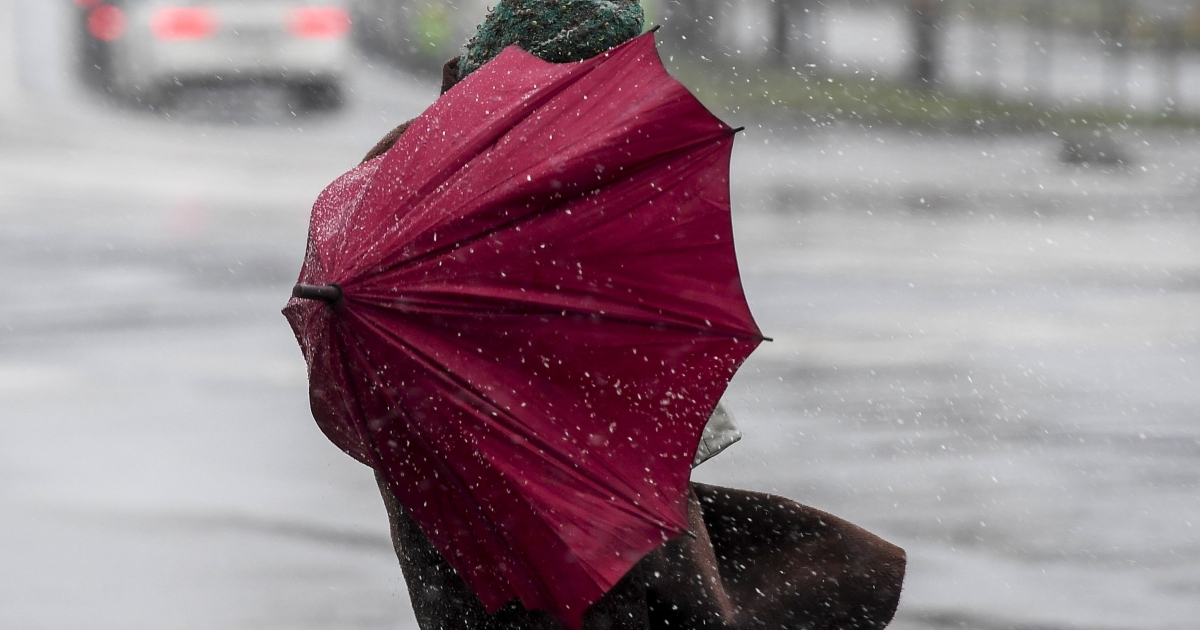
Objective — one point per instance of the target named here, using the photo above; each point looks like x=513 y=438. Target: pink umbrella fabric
x=528 y=308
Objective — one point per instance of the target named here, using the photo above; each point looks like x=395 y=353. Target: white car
x=151 y=46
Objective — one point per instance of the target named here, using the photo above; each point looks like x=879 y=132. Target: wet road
x=986 y=357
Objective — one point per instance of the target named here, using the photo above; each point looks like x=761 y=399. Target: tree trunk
x=987 y=49
x=1170 y=46
x=690 y=19
x=1116 y=50
x=780 y=31
x=10 y=86
x=926 y=16
x=1039 y=46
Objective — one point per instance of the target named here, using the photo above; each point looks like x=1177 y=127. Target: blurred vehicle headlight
x=319 y=22
x=106 y=23
x=184 y=23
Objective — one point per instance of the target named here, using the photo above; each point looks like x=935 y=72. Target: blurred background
x=972 y=228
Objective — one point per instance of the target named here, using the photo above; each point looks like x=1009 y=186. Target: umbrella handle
x=329 y=293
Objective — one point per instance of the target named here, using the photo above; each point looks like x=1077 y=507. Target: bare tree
x=791 y=40
x=1113 y=30
x=10 y=90
x=926 y=23
x=1170 y=45
x=694 y=21
x=1039 y=45
x=987 y=47
x=1172 y=16
x=781 y=27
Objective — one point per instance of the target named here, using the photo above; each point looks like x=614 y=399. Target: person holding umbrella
x=521 y=310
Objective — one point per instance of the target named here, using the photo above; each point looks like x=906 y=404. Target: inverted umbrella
x=523 y=313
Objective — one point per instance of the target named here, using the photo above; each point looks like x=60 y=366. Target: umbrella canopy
x=528 y=308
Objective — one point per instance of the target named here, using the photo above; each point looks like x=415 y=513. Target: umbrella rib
x=531 y=106
x=641 y=513
x=363 y=435
x=559 y=310
x=456 y=245
x=677 y=325
x=448 y=471
x=356 y=351
x=546 y=449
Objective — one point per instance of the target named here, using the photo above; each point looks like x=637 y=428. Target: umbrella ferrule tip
x=329 y=293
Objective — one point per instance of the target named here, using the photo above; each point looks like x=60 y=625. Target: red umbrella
x=524 y=312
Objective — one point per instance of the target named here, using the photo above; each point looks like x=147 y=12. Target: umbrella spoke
x=517 y=200
x=451 y=475
x=529 y=436
x=484 y=304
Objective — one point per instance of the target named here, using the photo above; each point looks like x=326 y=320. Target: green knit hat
x=558 y=31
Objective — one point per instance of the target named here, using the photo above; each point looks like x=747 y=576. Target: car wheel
x=317 y=96
x=94 y=64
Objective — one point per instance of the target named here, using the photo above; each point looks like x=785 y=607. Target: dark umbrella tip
x=738 y=130
x=328 y=293
x=768 y=339
x=654 y=28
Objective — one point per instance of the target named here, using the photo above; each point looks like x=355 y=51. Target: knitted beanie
x=558 y=31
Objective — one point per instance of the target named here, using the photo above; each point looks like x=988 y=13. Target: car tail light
x=319 y=22
x=184 y=23
x=106 y=23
